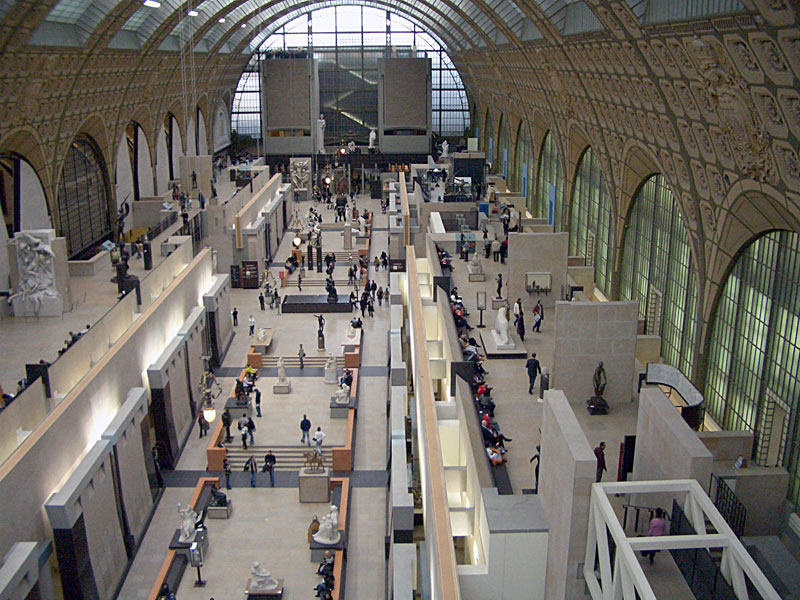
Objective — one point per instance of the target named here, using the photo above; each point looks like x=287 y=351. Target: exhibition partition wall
x=404 y=105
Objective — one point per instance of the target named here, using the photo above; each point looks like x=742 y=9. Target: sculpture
x=261 y=579
x=445 y=149
x=372 y=139
x=333 y=296
x=351 y=331
x=347 y=215
x=281 y=370
x=188 y=523
x=37 y=278
x=329 y=528
x=313 y=460
x=300 y=170
x=599 y=380
x=122 y=213
x=362 y=225
x=321 y=134
x=502 y=329
x=331 y=370
x=343 y=394
x=474 y=265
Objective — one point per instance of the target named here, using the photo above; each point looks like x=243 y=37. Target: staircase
x=308 y=282
x=294 y=361
x=288 y=458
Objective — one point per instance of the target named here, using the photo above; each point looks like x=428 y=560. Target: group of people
x=72 y=337
x=445 y=260
x=324 y=589
x=519 y=317
x=460 y=313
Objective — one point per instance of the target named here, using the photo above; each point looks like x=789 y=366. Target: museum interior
x=361 y=299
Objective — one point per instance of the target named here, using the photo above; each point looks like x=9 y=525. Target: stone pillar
x=348 y=237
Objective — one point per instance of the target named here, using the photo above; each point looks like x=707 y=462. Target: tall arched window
x=550 y=183
x=753 y=376
x=523 y=166
x=503 y=150
x=657 y=270
x=590 y=229
x=84 y=213
x=488 y=137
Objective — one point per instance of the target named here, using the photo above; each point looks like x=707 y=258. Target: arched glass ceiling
x=347 y=41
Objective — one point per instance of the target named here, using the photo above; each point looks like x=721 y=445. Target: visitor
x=380 y=296
x=250 y=465
x=235 y=315
x=276 y=297
x=252 y=322
x=658 y=526
x=495 y=250
x=269 y=466
x=202 y=424
x=371 y=308
x=262 y=301
x=305 y=427
x=600 y=454
x=258 y=402
x=319 y=437
x=534 y=368
x=226 y=467
x=227 y=420
x=301 y=355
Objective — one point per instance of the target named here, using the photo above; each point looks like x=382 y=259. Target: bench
x=174 y=564
x=340 y=411
x=501 y=479
x=215 y=456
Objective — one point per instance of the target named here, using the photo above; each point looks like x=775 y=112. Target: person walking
x=227 y=420
x=363 y=302
x=658 y=526
x=499 y=285
x=536 y=457
x=534 y=368
x=521 y=325
x=277 y=300
x=600 y=453
x=269 y=466
x=380 y=296
x=538 y=316
x=371 y=308
x=251 y=428
x=235 y=315
x=496 y=250
x=262 y=301
x=258 y=402
x=301 y=354
x=319 y=437
x=252 y=322
x=202 y=424
x=242 y=426
x=305 y=428
x=226 y=467
x=517 y=310
x=250 y=465
x=299 y=281
x=373 y=290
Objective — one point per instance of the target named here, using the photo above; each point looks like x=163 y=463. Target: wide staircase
x=291 y=281
x=294 y=361
x=288 y=458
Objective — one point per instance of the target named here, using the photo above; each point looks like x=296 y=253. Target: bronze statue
x=599 y=380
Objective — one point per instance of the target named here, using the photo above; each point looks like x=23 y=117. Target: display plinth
x=314 y=485
x=281 y=388
x=298 y=303
x=50 y=306
x=238 y=410
x=477 y=276
x=182 y=548
x=597 y=406
x=339 y=410
x=264 y=594
x=352 y=341
x=492 y=351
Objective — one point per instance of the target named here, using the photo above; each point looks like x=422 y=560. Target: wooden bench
x=215 y=456
x=343 y=455
x=352 y=360
x=174 y=564
x=501 y=479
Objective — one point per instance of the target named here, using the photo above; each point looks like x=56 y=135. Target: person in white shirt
x=319 y=436
x=517 y=309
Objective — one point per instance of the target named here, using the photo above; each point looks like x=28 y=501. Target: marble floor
x=269 y=524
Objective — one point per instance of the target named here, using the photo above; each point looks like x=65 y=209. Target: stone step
x=288 y=458
x=294 y=361
x=292 y=281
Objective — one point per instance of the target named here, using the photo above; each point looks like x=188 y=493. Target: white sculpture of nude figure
x=261 y=579
x=329 y=528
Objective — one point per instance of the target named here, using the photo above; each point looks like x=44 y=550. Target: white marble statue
x=281 y=370
x=502 y=329
x=261 y=580
x=445 y=149
x=343 y=394
x=329 y=528
x=362 y=225
x=347 y=214
x=331 y=370
x=351 y=147
x=474 y=265
x=187 y=524
x=37 y=279
x=373 y=137
x=351 y=332
x=321 y=135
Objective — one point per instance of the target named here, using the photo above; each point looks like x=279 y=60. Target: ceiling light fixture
x=244 y=25
x=152 y=4
x=193 y=13
x=221 y=19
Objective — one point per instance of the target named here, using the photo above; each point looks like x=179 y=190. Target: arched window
x=523 y=166
x=657 y=270
x=84 y=213
x=549 y=183
x=503 y=150
x=590 y=228
x=488 y=138
x=753 y=375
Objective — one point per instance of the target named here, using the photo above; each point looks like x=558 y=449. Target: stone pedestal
x=315 y=485
x=239 y=410
x=503 y=346
x=348 y=237
x=281 y=388
x=262 y=594
x=352 y=341
x=332 y=375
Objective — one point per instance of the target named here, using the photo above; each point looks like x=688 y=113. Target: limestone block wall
x=538 y=253
x=666 y=447
x=587 y=333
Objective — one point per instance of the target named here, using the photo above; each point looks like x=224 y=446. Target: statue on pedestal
x=188 y=523
x=445 y=149
x=36 y=268
x=260 y=580
x=502 y=330
x=281 y=370
x=351 y=331
x=329 y=528
x=373 y=137
x=599 y=380
x=343 y=394
x=331 y=370
x=362 y=225
x=474 y=265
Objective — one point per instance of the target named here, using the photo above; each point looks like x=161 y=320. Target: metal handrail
x=638 y=509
